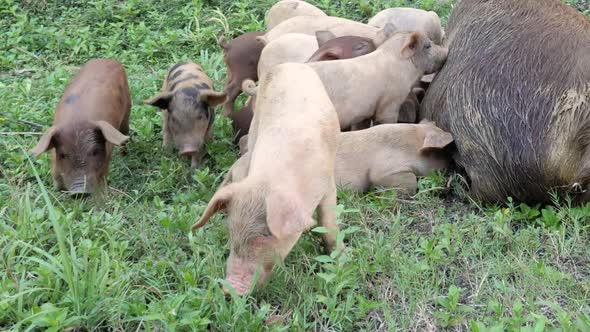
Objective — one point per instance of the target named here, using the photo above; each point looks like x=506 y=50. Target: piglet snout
x=80 y=189
x=240 y=285
x=187 y=151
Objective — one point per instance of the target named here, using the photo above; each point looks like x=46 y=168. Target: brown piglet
x=241 y=57
x=336 y=48
x=187 y=100
x=92 y=116
x=293 y=141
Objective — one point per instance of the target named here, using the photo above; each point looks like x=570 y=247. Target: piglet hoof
x=196 y=161
x=167 y=148
x=331 y=247
x=124 y=150
x=577 y=188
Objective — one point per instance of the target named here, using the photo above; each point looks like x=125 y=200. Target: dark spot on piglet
x=202 y=86
x=71 y=99
x=175 y=67
x=190 y=91
x=178 y=73
x=175 y=84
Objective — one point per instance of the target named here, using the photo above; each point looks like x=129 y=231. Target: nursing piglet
x=377 y=83
x=391 y=156
x=309 y=25
x=411 y=19
x=286 y=9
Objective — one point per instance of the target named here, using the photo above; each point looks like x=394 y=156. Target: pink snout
x=188 y=151
x=240 y=284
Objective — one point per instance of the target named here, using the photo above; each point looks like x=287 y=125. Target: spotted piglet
x=187 y=100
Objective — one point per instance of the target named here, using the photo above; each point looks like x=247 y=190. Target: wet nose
x=241 y=287
x=78 y=195
x=188 y=151
x=79 y=192
x=79 y=189
x=239 y=292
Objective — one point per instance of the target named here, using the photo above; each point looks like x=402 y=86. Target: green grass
x=128 y=262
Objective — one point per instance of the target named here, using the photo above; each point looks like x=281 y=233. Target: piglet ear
x=285 y=215
x=419 y=93
x=384 y=33
x=45 y=143
x=411 y=45
x=262 y=40
x=213 y=98
x=218 y=202
x=111 y=134
x=323 y=37
x=161 y=100
x=333 y=53
x=436 y=139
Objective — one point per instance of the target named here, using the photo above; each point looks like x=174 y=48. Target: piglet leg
x=327 y=218
x=388 y=114
x=196 y=159
x=166 y=135
x=233 y=91
x=406 y=182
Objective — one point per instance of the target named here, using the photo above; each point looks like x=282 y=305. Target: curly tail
x=222 y=42
x=262 y=40
x=249 y=87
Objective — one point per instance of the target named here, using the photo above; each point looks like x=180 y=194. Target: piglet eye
x=359 y=46
x=428 y=45
x=94 y=153
x=61 y=156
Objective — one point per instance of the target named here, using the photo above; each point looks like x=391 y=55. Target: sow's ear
x=323 y=36
x=213 y=98
x=45 y=143
x=382 y=35
x=436 y=139
x=218 y=202
x=111 y=134
x=285 y=216
x=161 y=100
x=411 y=45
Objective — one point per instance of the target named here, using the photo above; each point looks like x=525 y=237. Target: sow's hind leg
x=580 y=188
